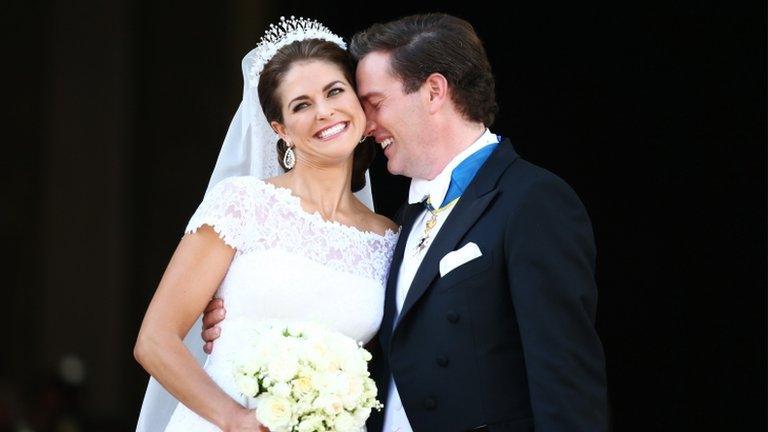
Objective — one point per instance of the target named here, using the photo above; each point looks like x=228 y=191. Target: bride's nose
x=324 y=111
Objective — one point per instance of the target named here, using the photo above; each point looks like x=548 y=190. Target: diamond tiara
x=285 y=33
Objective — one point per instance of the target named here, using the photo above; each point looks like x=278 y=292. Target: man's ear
x=437 y=87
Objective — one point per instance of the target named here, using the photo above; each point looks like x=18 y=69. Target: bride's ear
x=279 y=130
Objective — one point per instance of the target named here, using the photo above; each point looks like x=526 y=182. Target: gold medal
x=431 y=222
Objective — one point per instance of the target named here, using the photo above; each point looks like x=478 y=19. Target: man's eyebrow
x=327 y=86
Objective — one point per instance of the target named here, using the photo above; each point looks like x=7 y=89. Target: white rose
x=339 y=383
x=274 y=413
x=321 y=382
x=362 y=414
x=345 y=422
x=331 y=405
x=304 y=405
x=306 y=369
x=311 y=423
x=354 y=364
x=249 y=363
x=302 y=386
x=267 y=382
x=353 y=393
x=247 y=385
x=283 y=367
x=281 y=390
x=317 y=353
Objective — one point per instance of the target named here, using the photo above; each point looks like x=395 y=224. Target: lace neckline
x=389 y=235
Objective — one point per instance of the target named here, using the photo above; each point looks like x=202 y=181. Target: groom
x=490 y=303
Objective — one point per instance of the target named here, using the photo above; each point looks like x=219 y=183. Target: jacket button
x=452 y=316
x=430 y=403
x=442 y=360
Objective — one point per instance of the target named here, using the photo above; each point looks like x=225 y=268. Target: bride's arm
x=195 y=271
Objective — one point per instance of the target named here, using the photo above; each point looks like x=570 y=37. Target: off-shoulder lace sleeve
x=228 y=208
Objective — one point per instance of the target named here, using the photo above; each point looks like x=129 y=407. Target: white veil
x=249 y=149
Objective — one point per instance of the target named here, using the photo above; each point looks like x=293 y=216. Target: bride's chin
x=342 y=150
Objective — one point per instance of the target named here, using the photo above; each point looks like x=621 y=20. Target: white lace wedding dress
x=289 y=265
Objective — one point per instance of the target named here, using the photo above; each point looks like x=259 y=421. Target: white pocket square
x=451 y=260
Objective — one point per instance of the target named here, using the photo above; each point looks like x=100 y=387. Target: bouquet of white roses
x=305 y=378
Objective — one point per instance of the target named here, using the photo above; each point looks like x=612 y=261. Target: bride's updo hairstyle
x=273 y=74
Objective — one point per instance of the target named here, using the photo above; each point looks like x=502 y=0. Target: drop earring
x=289 y=158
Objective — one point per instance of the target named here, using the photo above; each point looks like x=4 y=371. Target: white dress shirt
x=395 y=418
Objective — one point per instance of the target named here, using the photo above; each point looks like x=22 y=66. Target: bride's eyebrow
x=325 y=89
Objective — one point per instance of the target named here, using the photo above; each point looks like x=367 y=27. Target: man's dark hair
x=420 y=45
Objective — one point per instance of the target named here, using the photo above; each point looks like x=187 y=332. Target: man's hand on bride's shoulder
x=213 y=315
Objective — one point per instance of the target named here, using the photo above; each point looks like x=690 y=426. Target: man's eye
x=368 y=104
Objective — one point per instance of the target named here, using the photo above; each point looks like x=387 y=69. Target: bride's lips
x=333 y=131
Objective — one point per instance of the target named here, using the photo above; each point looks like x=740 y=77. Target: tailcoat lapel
x=473 y=202
x=408 y=217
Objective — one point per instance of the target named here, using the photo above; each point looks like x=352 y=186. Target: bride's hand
x=244 y=420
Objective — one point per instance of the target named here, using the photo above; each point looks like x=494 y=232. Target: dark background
x=114 y=113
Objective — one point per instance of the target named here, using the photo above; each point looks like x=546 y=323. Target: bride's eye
x=335 y=91
x=299 y=107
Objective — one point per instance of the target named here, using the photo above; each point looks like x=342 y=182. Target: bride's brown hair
x=273 y=74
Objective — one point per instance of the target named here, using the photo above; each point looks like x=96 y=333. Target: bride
x=295 y=246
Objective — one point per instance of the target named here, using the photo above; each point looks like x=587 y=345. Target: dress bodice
x=289 y=265
x=294 y=265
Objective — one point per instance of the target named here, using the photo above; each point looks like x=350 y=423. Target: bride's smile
x=332 y=132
